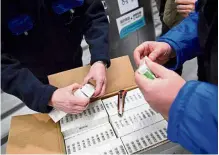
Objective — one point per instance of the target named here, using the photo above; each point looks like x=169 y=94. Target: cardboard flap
x=120 y=75
x=34 y=134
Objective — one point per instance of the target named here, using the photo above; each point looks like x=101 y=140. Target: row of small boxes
x=133 y=99
x=93 y=116
x=102 y=140
x=145 y=138
x=137 y=116
x=90 y=139
x=96 y=114
x=134 y=120
x=112 y=147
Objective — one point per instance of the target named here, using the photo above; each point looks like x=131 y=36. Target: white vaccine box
x=56 y=115
x=93 y=116
x=90 y=139
x=133 y=99
x=112 y=147
x=134 y=119
x=145 y=138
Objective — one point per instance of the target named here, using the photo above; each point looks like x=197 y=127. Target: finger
x=103 y=89
x=80 y=101
x=185 y=1
x=71 y=111
x=79 y=108
x=99 y=85
x=155 y=55
x=75 y=112
x=141 y=81
x=140 y=52
x=86 y=79
x=184 y=11
x=157 y=69
x=74 y=86
x=185 y=7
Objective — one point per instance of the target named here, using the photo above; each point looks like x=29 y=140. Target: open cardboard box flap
x=120 y=76
x=38 y=134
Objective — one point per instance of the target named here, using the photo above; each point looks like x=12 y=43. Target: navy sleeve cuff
x=44 y=101
x=102 y=58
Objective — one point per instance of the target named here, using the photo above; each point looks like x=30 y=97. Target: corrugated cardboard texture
x=120 y=75
x=34 y=134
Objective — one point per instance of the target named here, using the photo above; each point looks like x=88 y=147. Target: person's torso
x=208 y=37
x=51 y=44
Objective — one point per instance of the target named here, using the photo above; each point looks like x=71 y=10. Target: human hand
x=159 y=52
x=98 y=73
x=64 y=100
x=185 y=7
x=162 y=91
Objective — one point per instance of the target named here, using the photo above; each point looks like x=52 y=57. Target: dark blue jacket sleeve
x=21 y=83
x=183 y=39
x=193 y=118
x=96 y=29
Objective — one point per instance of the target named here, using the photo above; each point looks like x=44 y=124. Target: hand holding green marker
x=144 y=70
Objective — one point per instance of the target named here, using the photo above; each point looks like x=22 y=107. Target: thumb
x=141 y=80
x=73 y=86
x=157 y=69
x=155 y=54
x=81 y=101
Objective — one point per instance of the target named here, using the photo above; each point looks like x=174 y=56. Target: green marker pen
x=144 y=70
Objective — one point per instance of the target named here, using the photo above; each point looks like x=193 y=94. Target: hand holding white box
x=86 y=91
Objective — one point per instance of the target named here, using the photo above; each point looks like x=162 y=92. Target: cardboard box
x=38 y=134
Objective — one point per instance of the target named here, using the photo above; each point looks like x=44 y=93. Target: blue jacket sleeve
x=183 y=39
x=193 y=118
x=96 y=29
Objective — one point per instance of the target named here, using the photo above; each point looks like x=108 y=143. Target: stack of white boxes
x=90 y=139
x=93 y=116
x=99 y=129
x=145 y=138
x=112 y=147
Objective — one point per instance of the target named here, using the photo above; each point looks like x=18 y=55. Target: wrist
x=101 y=62
x=43 y=103
x=171 y=52
x=51 y=101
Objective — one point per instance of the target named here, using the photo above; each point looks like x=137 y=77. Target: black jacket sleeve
x=96 y=29
x=21 y=82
